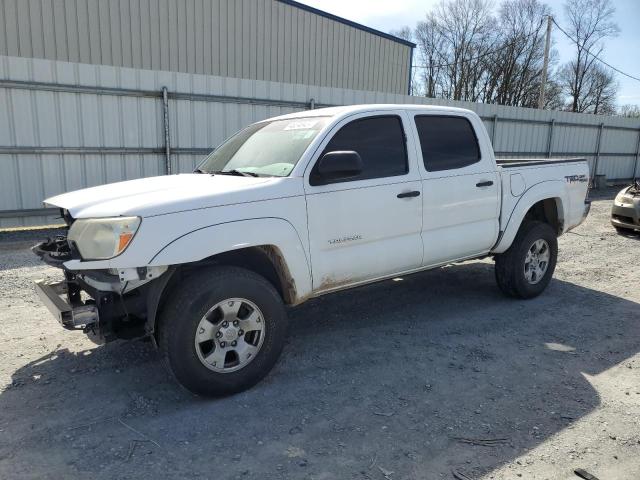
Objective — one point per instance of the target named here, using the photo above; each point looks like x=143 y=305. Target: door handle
x=486 y=183
x=414 y=193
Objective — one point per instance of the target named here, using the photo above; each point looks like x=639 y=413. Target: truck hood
x=170 y=193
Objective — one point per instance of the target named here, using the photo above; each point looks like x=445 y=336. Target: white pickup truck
x=291 y=208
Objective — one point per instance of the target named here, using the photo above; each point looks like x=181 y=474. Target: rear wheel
x=526 y=268
x=222 y=331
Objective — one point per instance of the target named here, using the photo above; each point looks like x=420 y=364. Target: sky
x=623 y=52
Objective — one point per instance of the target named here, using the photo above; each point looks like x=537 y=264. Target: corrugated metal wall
x=57 y=133
x=255 y=39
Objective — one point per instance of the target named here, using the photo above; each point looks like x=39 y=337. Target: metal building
x=99 y=91
x=274 y=40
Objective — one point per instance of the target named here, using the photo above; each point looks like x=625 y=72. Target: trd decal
x=576 y=178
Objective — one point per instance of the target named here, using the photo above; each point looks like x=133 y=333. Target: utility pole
x=547 y=45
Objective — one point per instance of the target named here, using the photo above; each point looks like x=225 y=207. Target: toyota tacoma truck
x=291 y=208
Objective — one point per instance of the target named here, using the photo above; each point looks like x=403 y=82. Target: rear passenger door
x=367 y=226
x=460 y=189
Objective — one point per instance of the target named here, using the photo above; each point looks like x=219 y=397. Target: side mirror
x=339 y=165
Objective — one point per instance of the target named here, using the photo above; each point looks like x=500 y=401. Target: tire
x=199 y=308
x=510 y=272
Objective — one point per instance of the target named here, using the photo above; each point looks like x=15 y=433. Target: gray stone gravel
x=398 y=380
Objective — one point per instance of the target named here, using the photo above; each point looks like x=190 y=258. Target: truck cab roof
x=346 y=110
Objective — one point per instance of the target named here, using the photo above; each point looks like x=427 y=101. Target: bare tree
x=590 y=22
x=431 y=57
x=631 y=111
x=517 y=67
x=452 y=44
x=465 y=53
x=603 y=88
x=407 y=34
x=404 y=33
x=554 y=98
x=598 y=89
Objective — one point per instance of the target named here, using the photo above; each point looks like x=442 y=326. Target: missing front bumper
x=103 y=315
x=104 y=305
x=54 y=296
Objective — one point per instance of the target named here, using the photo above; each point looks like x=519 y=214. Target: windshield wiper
x=237 y=173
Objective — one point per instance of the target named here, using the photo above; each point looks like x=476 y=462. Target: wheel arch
x=543 y=202
x=548 y=210
x=269 y=247
x=265 y=260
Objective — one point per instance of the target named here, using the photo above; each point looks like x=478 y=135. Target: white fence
x=65 y=126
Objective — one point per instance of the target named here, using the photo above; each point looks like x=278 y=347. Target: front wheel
x=526 y=268
x=222 y=331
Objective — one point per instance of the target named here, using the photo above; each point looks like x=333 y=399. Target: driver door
x=369 y=225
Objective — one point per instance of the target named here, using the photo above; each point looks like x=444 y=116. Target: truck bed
x=565 y=180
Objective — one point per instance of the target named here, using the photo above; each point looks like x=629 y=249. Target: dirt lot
x=393 y=381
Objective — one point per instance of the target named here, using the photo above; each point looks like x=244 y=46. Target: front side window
x=380 y=142
x=265 y=149
x=447 y=143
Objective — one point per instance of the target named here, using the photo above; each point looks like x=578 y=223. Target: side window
x=447 y=142
x=380 y=142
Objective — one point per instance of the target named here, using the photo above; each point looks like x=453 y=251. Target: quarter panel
x=536 y=193
x=567 y=183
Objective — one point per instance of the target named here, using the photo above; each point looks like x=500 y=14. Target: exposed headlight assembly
x=103 y=238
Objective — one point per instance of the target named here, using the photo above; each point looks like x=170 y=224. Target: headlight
x=622 y=196
x=103 y=238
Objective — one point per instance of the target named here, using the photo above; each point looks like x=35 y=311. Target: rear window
x=447 y=143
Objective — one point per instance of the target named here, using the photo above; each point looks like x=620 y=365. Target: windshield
x=264 y=149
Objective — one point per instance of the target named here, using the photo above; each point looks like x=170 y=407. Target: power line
x=593 y=55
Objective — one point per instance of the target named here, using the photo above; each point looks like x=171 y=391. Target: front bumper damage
x=104 y=304
x=64 y=299
x=55 y=295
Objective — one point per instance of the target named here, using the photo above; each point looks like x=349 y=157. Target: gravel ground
x=414 y=379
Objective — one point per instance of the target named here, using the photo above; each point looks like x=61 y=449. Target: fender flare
x=211 y=240
x=549 y=189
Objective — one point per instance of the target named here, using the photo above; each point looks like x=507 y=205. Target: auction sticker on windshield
x=301 y=125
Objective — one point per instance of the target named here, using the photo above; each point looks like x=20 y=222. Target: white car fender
x=541 y=191
x=224 y=237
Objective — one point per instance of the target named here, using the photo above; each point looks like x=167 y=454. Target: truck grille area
x=55 y=251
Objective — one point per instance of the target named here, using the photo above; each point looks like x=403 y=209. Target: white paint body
x=339 y=235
